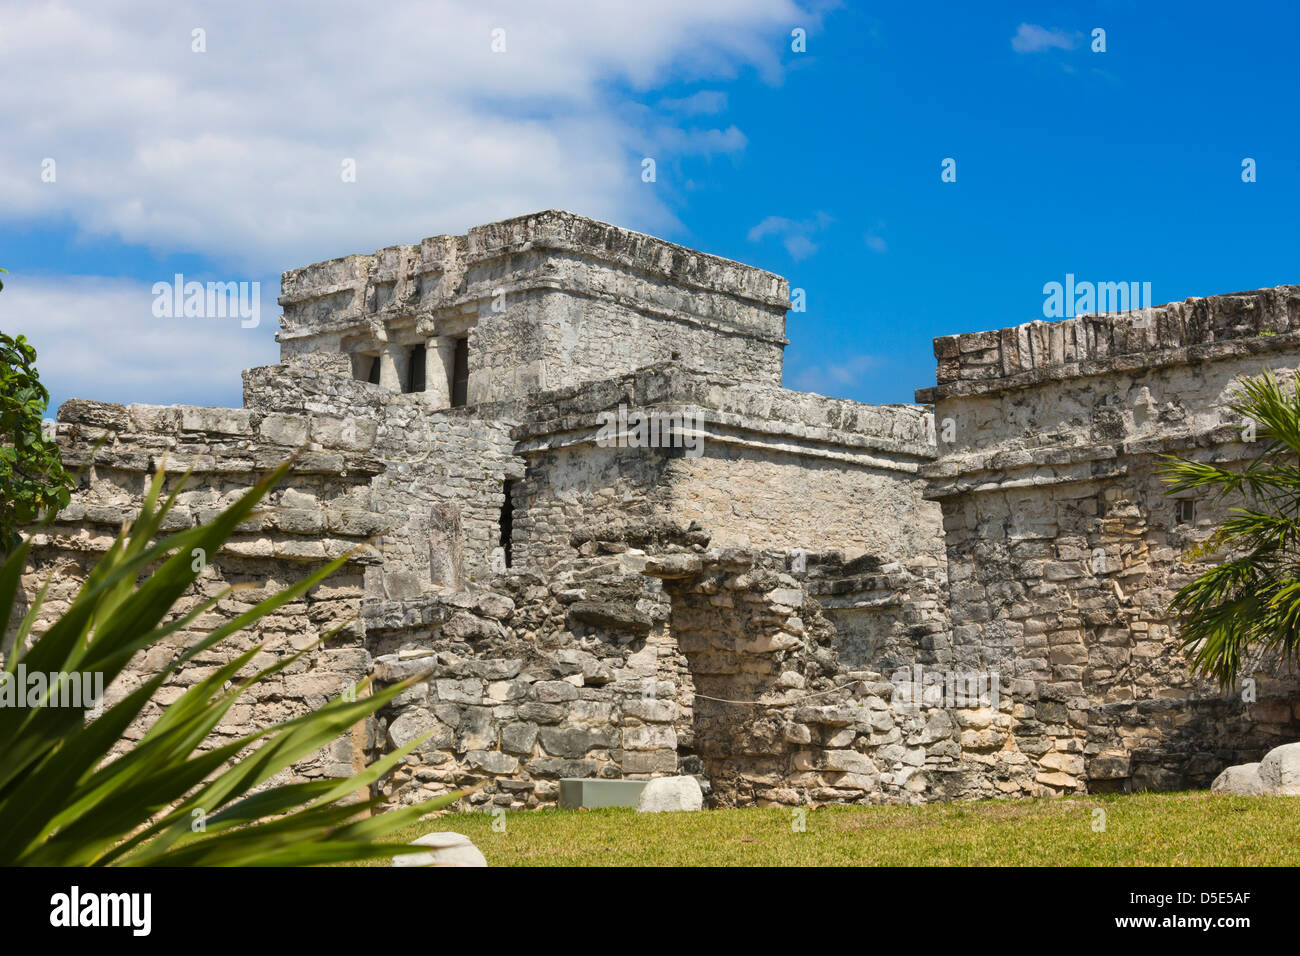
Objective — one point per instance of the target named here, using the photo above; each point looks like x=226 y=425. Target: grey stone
x=571 y=741
x=554 y=691
x=519 y=738
x=1242 y=780
x=492 y=761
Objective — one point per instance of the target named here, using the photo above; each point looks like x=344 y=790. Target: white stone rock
x=445 y=849
x=671 y=793
x=1279 y=771
x=1242 y=780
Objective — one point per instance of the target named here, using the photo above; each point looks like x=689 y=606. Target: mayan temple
x=576 y=493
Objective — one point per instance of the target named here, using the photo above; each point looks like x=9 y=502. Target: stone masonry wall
x=777 y=468
x=546 y=300
x=781 y=718
x=323 y=509
x=1064 y=552
x=888 y=615
x=574 y=675
x=720 y=663
x=443 y=484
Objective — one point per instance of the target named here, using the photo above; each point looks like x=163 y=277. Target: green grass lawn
x=1178 y=829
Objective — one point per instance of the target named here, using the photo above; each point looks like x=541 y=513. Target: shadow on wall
x=1183 y=744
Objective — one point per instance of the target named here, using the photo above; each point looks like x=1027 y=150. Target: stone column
x=437 y=383
x=390 y=368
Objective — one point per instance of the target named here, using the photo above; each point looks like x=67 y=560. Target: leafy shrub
x=32 y=477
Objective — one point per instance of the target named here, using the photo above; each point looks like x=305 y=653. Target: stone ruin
x=801 y=599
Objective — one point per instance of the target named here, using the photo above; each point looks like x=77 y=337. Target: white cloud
x=701 y=142
x=236 y=152
x=1033 y=39
x=98 y=338
x=705 y=102
x=795 y=234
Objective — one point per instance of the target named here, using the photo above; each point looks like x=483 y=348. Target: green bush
x=32 y=477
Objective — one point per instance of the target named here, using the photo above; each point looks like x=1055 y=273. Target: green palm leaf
x=1250 y=603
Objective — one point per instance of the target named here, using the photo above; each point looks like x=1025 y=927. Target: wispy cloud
x=795 y=234
x=703 y=103
x=98 y=338
x=701 y=142
x=874 y=240
x=1031 y=38
x=835 y=377
x=236 y=153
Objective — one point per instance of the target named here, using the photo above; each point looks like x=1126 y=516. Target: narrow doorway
x=507 y=518
x=460 y=374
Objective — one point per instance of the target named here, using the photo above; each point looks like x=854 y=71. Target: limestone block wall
x=323 y=509
x=443 y=484
x=546 y=300
x=534 y=681
x=782 y=718
x=775 y=469
x=783 y=469
x=717 y=662
x=568 y=488
x=1063 y=552
x=888 y=615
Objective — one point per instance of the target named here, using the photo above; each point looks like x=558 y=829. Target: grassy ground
x=1181 y=829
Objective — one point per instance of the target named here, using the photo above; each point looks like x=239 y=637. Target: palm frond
x=1249 y=603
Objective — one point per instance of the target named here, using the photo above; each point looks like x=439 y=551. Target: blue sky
x=823 y=166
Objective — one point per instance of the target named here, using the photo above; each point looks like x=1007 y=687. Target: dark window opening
x=415 y=370
x=460 y=374
x=507 y=519
x=373 y=376
x=1186 y=510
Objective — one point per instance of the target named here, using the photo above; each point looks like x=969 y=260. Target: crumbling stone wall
x=574 y=675
x=324 y=509
x=773 y=468
x=770 y=612
x=1063 y=551
x=443 y=484
x=652 y=653
x=887 y=615
x=780 y=718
